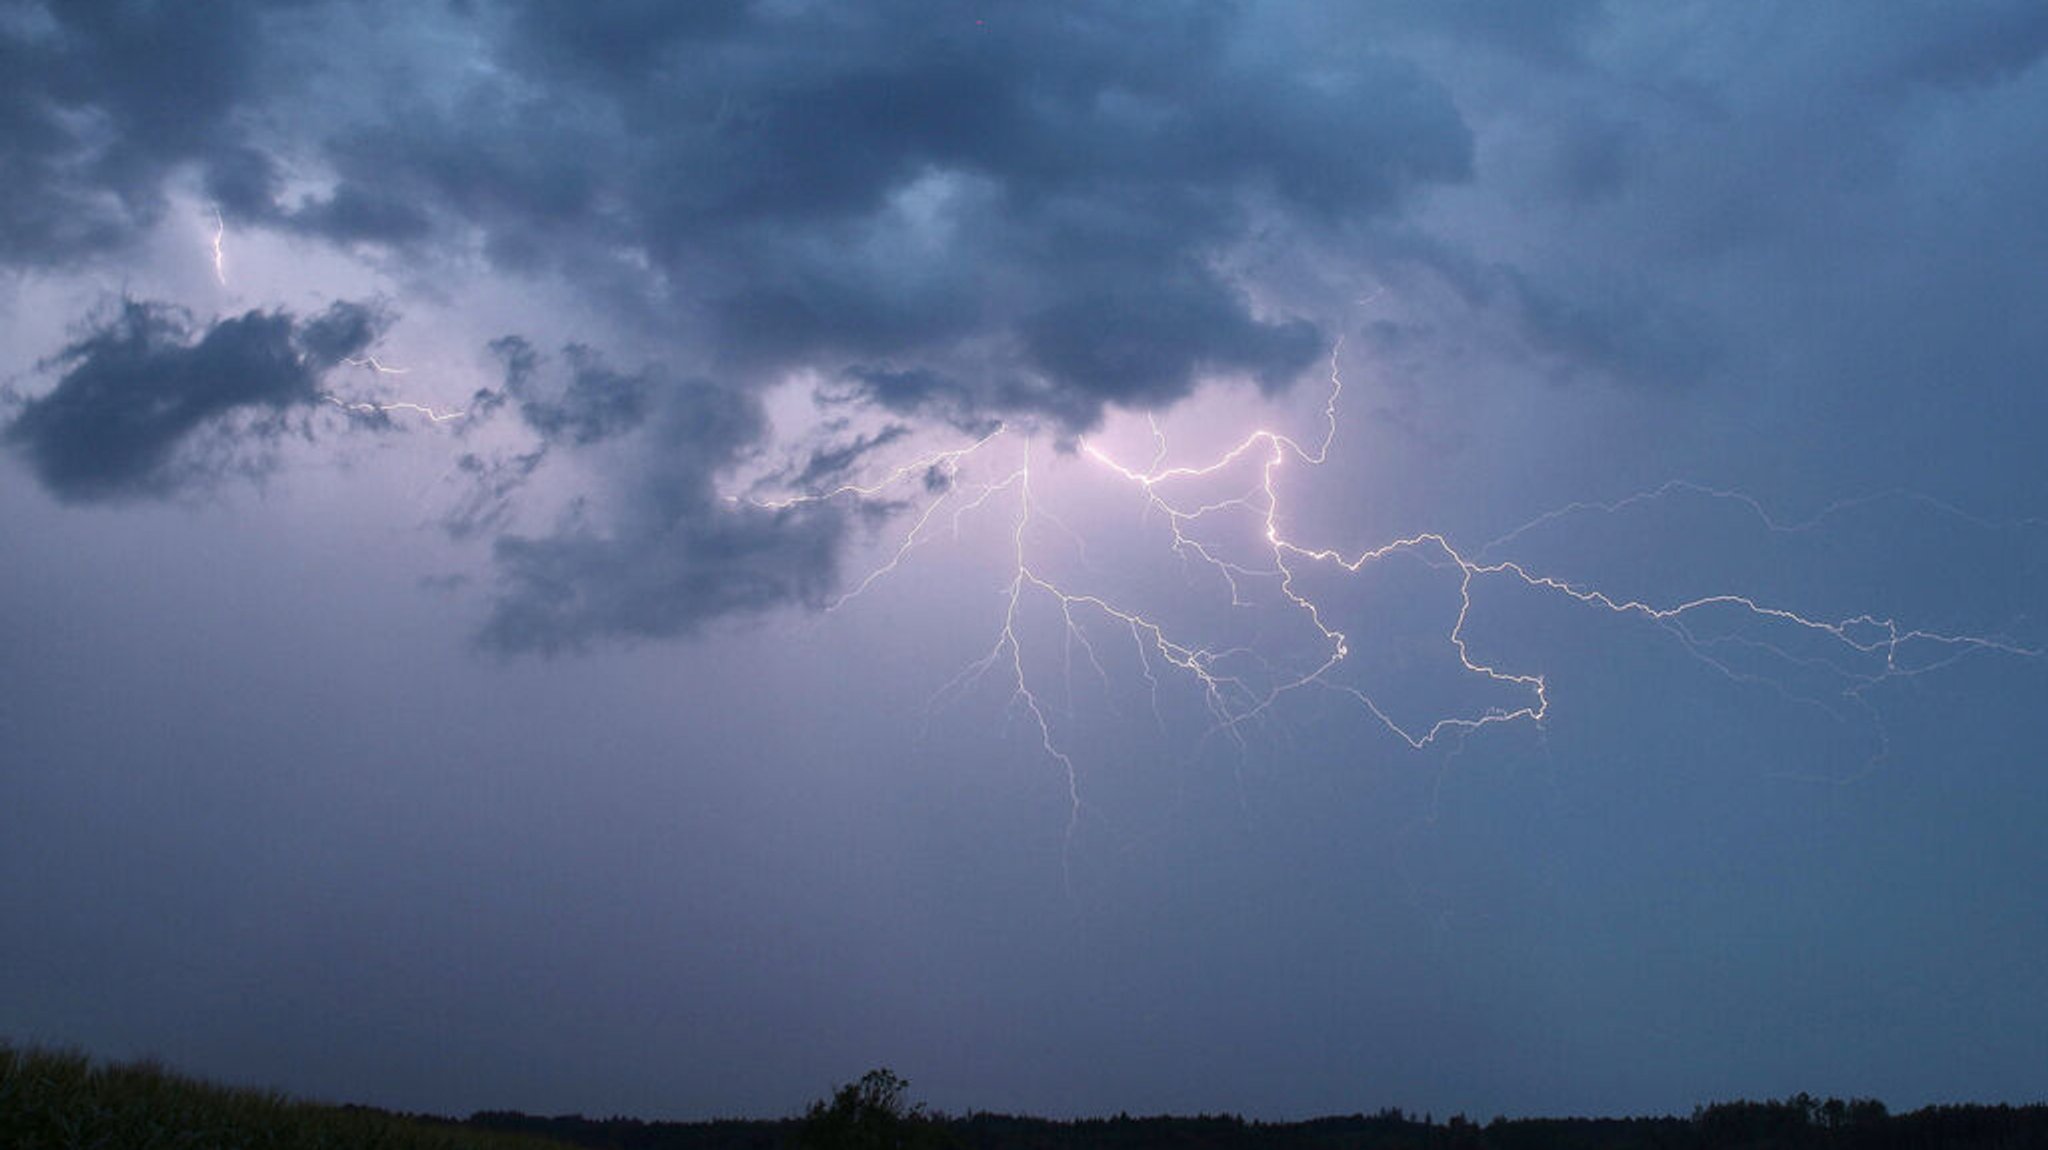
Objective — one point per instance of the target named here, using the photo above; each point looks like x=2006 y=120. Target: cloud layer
x=147 y=404
x=1036 y=213
x=674 y=553
x=964 y=215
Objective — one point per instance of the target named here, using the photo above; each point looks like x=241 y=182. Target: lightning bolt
x=220 y=255
x=1240 y=686
x=362 y=407
x=370 y=361
x=366 y=407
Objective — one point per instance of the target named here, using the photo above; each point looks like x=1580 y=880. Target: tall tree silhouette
x=872 y=1114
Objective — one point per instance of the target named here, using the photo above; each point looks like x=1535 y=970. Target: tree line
x=875 y=1113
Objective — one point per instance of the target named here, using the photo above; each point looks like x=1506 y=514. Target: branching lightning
x=375 y=408
x=1240 y=686
x=364 y=407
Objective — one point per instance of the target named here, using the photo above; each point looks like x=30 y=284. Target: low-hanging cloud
x=670 y=553
x=141 y=397
x=593 y=404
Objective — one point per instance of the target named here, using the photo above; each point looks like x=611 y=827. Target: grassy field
x=61 y=1101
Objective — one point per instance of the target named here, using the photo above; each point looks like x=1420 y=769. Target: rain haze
x=1202 y=557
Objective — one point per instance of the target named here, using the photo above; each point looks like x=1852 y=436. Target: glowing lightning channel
x=365 y=407
x=1862 y=634
x=1233 y=700
x=939 y=471
x=370 y=361
x=360 y=407
x=945 y=462
x=220 y=255
x=1264 y=501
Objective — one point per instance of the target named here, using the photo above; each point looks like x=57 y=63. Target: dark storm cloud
x=942 y=212
x=1039 y=205
x=343 y=331
x=970 y=215
x=141 y=396
x=827 y=465
x=587 y=405
x=632 y=35
x=101 y=104
x=562 y=591
x=1147 y=347
x=594 y=404
x=676 y=554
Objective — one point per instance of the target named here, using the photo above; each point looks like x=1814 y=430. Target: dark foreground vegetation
x=60 y=1101
x=872 y=1114
x=64 y=1101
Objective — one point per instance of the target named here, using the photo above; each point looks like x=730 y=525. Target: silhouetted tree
x=872 y=1114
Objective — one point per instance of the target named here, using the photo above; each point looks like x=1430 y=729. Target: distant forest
x=1792 y=1124
x=873 y=1114
x=57 y=1100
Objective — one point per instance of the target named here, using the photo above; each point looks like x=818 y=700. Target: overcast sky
x=1281 y=558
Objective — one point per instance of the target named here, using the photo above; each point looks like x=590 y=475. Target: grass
x=53 y=1100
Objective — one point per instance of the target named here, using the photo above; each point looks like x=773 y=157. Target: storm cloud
x=147 y=405
x=1040 y=214
x=674 y=553
x=1055 y=197
x=102 y=105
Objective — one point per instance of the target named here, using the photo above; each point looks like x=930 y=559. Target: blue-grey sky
x=1280 y=558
